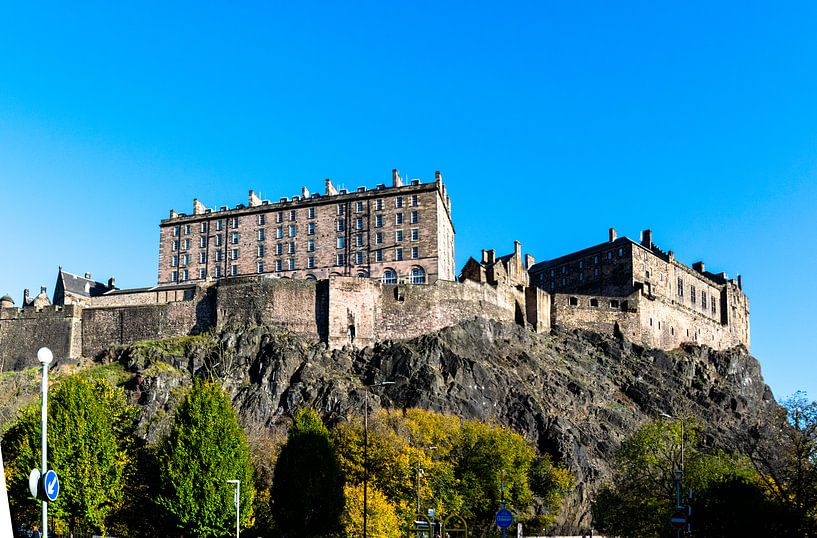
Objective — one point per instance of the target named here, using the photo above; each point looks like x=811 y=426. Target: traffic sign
x=51 y=485
x=504 y=518
x=679 y=520
x=34 y=483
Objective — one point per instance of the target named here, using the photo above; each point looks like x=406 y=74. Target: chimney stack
x=484 y=256
x=26 y=295
x=396 y=180
x=491 y=256
x=173 y=214
x=42 y=290
x=613 y=234
x=87 y=276
x=330 y=189
x=111 y=283
x=698 y=266
x=517 y=249
x=438 y=177
x=646 y=239
x=198 y=207
x=253 y=199
x=740 y=282
x=304 y=192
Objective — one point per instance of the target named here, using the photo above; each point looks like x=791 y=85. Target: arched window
x=310 y=276
x=362 y=274
x=418 y=275
x=389 y=277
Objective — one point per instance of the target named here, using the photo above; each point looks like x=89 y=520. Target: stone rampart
x=24 y=331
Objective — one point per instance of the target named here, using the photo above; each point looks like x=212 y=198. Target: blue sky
x=550 y=121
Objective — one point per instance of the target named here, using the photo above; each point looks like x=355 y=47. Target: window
x=310 y=262
x=359 y=223
x=609 y=254
x=202 y=257
x=551 y=273
x=415 y=234
x=174 y=276
x=692 y=296
x=279 y=217
x=175 y=246
x=203 y=227
x=311 y=229
x=581 y=276
x=186 y=229
x=398 y=235
x=574 y=301
x=185 y=275
x=234 y=254
x=378 y=221
x=291 y=247
x=292 y=230
x=417 y=275
x=292 y=215
x=415 y=253
x=389 y=277
x=235 y=222
x=311 y=212
x=398 y=202
x=359 y=258
x=415 y=200
x=292 y=264
x=260 y=266
x=341 y=209
x=217 y=271
x=594 y=302
x=359 y=207
x=595 y=271
x=613 y=303
x=620 y=252
x=261 y=251
x=186 y=244
x=261 y=235
x=564 y=269
x=220 y=224
x=279 y=232
x=176 y=231
x=415 y=217
x=185 y=259
x=341 y=225
x=398 y=218
x=398 y=254
x=234 y=238
x=218 y=240
x=340 y=260
x=378 y=205
x=279 y=249
x=703 y=300
x=714 y=308
x=361 y=274
x=261 y=222
x=680 y=287
x=341 y=242
x=218 y=255
x=279 y=265
x=581 y=264
x=174 y=262
x=310 y=245
x=596 y=259
x=359 y=240
x=378 y=255
x=378 y=238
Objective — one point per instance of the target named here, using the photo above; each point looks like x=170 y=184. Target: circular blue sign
x=51 y=485
x=504 y=518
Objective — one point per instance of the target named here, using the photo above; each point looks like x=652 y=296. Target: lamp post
x=366 y=454
x=237 y=498
x=679 y=472
x=45 y=357
x=419 y=474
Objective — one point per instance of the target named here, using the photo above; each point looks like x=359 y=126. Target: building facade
x=397 y=234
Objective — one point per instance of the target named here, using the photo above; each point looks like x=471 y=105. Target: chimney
x=304 y=192
x=698 y=266
x=198 y=207
x=529 y=261
x=484 y=256
x=173 y=214
x=491 y=256
x=740 y=282
x=671 y=256
x=646 y=239
x=42 y=290
x=396 y=180
x=111 y=283
x=253 y=199
x=438 y=177
x=87 y=276
x=26 y=295
x=613 y=234
x=330 y=189
x=517 y=249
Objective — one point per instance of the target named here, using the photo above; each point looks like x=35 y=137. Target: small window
x=310 y=262
x=260 y=266
x=341 y=242
x=292 y=230
x=609 y=254
x=378 y=221
x=415 y=200
x=692 y=296
x=292 y=247
x=292 y=264
x=378 y=204
x=234 y=270
x=186 y=244
x=217 y=271
x=279 y=265
x=311 y=228
x=292 y=215
x=680 y=287
x=581 y=264
x=261 y=235
x=596 y=259
x=186 y=229
x=564 y=269
x=279 y=249
x=613 y=303
x=218 y=240
x=398 y=202
x=359 y=207
x=174 y=276
x=202 y=257
x=202 y=241
x=398 y=254
x=311 y=213
x=341 y=225
x=236 y=222
x=415 y=253
x=378 y=255
x=595 y=271
x=279 y=217
x=620 y=252
x=310 y=245
x=220 y=224
x=234 y=238
x=594 y=302
x=389 y=277
x=203 y=227
x=234 y=254
x=378 y=238
x=417 y=275
x=261 y=221
x=398 y=236
x=176 y=231
x=218 y=256
x=340 y=260
x=415 y=234
x=703 y=300
x=341 y=209
x=574 y=301
x=174 y=262
x=359 y=223
x=279 y=232
x=581 y=277
x=359 y=258
x=261 y=251
x=359 y=240
x=186 y=259
x=398 y=218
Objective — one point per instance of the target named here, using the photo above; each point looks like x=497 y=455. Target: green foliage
x=382 y=518
x=307 y=492
x=205 y=448
x=89 y=440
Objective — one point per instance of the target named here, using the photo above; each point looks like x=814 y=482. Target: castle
x=357 y=268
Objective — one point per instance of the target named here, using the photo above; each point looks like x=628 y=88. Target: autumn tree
x=204 y=448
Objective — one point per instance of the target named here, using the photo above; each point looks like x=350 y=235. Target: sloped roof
x=79 y=285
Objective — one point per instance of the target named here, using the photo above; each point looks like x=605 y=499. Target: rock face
x=575 y=395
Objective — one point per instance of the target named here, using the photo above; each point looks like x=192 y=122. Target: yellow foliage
x=382 y=520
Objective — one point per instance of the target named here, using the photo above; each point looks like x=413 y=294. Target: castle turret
x=6 y=302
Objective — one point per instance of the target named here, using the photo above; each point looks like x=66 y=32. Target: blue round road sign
x=51 y=485
x=504 y=518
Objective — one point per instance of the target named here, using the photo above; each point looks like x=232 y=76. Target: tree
x=383 y=521
x=307 y=490
x=89 y=434
x=204 y=448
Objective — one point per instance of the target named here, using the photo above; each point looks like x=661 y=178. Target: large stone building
x=645 y=294
x=400 y=233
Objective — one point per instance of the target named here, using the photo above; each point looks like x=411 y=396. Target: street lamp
x=366 y=454
x=237 y=498
x=419 y=474
x=679 y=473
x=45 y=357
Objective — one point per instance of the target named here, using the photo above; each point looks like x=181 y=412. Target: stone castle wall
x=24 y=331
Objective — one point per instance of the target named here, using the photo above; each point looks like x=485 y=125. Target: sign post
x=5 y=513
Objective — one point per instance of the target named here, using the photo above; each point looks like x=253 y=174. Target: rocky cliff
x=575 y=395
